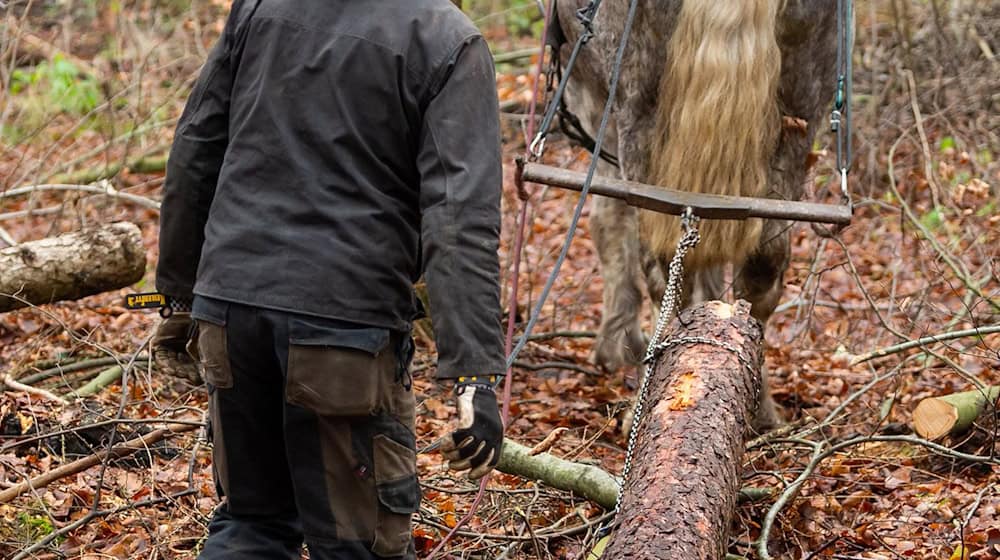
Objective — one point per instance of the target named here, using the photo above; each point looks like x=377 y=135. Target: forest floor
x=91 y=92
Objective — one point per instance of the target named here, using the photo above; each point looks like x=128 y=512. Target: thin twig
x=102 y=187
x=955 y=267
x=16 y=386
x=928 y=159
x=819 y=454
x=895 y=349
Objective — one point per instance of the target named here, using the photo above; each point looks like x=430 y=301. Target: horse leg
x=761 y=282
x=614 y=227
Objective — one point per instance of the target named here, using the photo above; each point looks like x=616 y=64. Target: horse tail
x=717 y=120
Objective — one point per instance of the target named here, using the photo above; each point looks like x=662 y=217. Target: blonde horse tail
x=717 y=120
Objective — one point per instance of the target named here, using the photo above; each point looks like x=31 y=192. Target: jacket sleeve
x=196 y=157
x=461 y=176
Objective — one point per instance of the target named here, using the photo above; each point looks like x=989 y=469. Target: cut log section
x=71 y=266
x=936 y=417
x=684 y=483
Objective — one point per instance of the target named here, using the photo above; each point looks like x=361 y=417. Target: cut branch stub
x=936 y=417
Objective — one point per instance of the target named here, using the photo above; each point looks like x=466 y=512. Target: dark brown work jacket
x=331 y=152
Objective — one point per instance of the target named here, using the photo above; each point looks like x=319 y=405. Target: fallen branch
x=71 y=266
x=902 y=347
x=40 y=48
x=59 y=369
x=587 y=481
x=514 y=56
x=103 y=379
x=127 y=448
x=102 y=187
x=568 y=366
x=141 y=165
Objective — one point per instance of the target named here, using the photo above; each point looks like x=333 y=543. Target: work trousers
x=313 y=432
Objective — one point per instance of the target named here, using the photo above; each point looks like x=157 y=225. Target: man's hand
x=475 y=444
x=170 y=347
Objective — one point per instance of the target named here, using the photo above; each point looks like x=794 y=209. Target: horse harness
x=572 y=128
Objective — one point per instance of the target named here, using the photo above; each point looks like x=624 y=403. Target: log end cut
x=934 y=418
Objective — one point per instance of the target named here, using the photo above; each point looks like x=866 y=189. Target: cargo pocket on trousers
x=335 y=371
x=398 y=495
x=214 y=355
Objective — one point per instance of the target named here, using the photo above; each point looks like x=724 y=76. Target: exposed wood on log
x=669 y=201
x=936 y=417
x=682 y=490
x=71 y=266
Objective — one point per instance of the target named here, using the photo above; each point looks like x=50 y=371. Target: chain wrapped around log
x=670 y=201
x=679 y=500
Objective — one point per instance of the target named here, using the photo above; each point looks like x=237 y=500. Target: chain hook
x=689 y=220
x=537 y=145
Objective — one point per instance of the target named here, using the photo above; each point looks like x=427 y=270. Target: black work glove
x=170 y=347
x=475 y=444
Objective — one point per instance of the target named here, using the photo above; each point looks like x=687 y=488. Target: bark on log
x=936 y=417
x=71 y=266
x=682 y=490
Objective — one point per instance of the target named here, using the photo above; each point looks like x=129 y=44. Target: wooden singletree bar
x=669 y=201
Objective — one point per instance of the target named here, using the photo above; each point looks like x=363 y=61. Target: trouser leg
x=354 y=475
x=258 y=516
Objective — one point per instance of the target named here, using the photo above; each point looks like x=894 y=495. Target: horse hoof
x=608 y=354
x=769 y=416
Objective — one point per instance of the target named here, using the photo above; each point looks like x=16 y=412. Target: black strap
x=569 y=123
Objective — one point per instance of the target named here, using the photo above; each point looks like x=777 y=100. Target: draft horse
x=714 y=97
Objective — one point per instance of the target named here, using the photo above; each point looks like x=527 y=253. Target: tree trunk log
x=682 y=490
x=71 y=266
x=936 y=417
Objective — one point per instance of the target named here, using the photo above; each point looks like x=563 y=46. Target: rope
x=586 y=16
x=841 y=118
